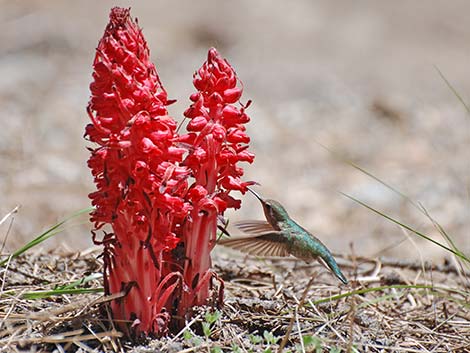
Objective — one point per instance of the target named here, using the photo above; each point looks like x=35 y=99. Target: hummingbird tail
x=330 y=263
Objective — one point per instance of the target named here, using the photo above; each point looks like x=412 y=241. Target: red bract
x=160 y=192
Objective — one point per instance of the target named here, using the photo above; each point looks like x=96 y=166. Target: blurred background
x=357 y=77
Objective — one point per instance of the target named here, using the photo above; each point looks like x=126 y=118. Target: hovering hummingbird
x=281 y=236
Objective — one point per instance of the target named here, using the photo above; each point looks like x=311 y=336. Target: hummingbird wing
x=254 y=227
x=266 y=244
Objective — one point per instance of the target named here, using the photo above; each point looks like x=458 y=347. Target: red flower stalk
x=140 y=186
x=218 y=141
x=161 y=193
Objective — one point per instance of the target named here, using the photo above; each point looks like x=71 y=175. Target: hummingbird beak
x=256 y=195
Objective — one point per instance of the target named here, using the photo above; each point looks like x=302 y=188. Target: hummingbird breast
x=301 y=249
x=301 y=243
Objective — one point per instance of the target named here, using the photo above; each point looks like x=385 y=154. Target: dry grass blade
x=28 y=317
x=293 y=318
x=68 y=337
x=9 y=214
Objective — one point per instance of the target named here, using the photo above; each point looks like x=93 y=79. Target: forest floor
x=389 y=305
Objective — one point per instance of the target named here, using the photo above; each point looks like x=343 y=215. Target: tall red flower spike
x=160 y=192
x=218 y=141
x=141 y=188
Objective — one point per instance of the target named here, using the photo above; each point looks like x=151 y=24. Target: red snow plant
x=160 y=194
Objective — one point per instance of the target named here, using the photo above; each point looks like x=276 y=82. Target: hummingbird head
x=273 y=210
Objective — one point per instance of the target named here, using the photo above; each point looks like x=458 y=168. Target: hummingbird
x=281 y=236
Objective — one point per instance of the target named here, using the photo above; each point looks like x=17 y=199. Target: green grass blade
x=41 y=294
x=223 y=232
x=81 y=281
x=55 y=229
x=418 y=206
x=457 y=253
x=454 y=91
x=374 y=301
x=343 y=159
x=66 y=289
x=432 y=288
x=446 y=236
